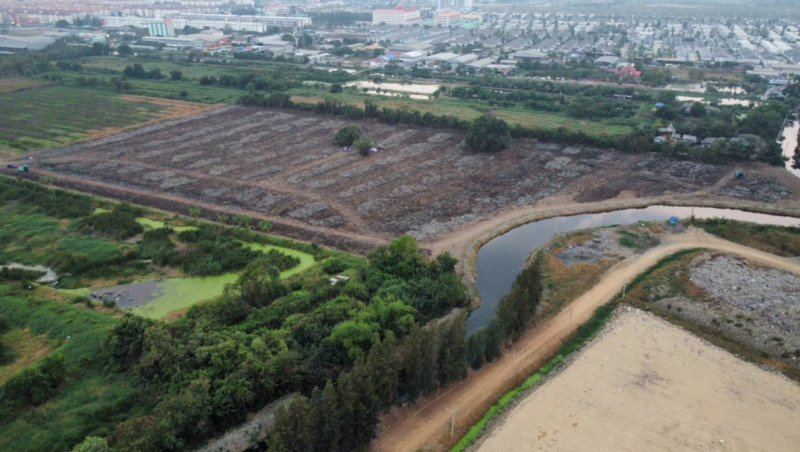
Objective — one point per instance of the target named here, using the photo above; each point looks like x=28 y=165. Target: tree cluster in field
x=264 y=339
x=488 y=134
x=138 y=71
x=119 y=224
x=250 y=82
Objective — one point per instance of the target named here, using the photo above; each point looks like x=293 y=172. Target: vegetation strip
x=581 y=337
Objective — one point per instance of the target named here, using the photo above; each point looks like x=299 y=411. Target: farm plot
x=648 y=385
x=284 y=166
x=54 y=116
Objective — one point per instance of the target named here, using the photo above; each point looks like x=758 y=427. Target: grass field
x=9 y=85
x=26 y=347
x=189 y=90
x=149 y=223
x=31 y=239
x=55 y=116
x=465 y=109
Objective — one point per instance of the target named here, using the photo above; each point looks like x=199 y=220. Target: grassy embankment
x=780 y=240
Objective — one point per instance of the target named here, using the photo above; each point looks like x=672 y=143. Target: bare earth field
x=645 y=384
x=283 y=166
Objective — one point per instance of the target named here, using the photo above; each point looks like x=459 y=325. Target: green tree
x=347 y=135
x=329 y=426
x=291 y=430
x=452 y=350
x=260 y=283
x=336 y=88
x=383 y=369
x=175 y=75
x=363 y=146
x=92 y=444
x=488 y=134
x=124 y=50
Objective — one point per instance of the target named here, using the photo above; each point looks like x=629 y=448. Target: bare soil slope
x=648 y=385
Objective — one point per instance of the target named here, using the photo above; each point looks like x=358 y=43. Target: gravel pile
x=754 y=305
x=605 y=243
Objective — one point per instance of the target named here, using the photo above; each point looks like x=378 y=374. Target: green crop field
x=53 y=116
x=56 y=116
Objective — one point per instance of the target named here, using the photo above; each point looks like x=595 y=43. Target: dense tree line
x=264 y=339
x=28 y=64
x=344 y=416
x=514 y=313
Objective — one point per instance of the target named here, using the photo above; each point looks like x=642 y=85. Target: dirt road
x=426 y=425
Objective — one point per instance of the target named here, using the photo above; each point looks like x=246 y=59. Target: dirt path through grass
x=426 y=424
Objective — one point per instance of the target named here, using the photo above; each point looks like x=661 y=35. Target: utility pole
x=452 y=421
x=513 y=356
x=571 y=311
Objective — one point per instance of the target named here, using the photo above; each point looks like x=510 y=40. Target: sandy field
x=646 y=385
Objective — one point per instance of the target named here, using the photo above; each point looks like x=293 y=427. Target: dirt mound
x=759 y=189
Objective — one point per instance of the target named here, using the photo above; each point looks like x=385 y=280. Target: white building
x=258 y=24
x=447 y=18
x=398 y=16
x=162 y=29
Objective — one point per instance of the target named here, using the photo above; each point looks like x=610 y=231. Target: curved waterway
x=500 y=260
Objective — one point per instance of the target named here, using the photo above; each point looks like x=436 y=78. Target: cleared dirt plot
x=53 y=116
x=645 y=384
x=283 y=165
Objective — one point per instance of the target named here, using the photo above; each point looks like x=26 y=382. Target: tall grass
x=89 y=402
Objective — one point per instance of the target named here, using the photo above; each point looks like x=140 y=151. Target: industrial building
x=397 y=16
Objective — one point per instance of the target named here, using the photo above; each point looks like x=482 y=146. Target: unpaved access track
x=426 y=425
